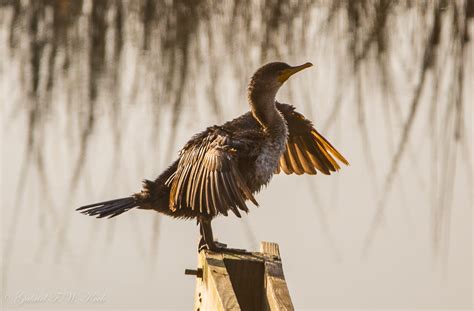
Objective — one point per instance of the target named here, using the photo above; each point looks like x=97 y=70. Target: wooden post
x=241 y=281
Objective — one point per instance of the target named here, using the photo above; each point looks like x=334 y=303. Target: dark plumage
x=221 y=168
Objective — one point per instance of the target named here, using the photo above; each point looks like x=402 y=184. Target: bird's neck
x=262 y=106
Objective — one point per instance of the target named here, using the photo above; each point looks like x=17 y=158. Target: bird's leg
x=202 y=242
x=207 y=240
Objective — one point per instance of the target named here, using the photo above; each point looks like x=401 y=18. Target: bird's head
x=270 y=77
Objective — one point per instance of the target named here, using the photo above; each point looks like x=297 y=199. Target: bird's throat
x=262 y=105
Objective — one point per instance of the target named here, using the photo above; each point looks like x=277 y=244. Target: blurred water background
x=97 y=95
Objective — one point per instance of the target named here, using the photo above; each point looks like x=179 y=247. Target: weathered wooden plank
x=277 y=296
x=214 y=290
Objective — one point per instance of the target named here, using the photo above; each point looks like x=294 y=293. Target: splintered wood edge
x=270 y=248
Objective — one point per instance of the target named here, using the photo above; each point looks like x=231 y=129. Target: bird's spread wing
x=207 y=179
x=306 y=149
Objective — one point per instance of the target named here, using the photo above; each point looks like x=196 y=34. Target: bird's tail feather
x=109 y=208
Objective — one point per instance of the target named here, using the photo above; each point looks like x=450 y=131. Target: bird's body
x=221 y=168
x=257 y=150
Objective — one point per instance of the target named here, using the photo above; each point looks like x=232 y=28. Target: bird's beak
x=285 y=74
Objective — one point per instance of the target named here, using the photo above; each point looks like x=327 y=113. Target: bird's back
x=257 y=151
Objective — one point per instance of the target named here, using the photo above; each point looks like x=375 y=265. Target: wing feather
x=307 y=151
x=207 y=179
x=228 y=195
x=207 y=193
x=243 y=186
x=286 y=166
x=303 y=157
x=294 y=161
x=217 y=199
x=235 y=192
x=330 y=147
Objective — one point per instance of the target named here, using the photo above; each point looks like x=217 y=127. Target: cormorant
x=221 y=168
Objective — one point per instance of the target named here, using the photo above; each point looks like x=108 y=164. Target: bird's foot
x=214 y=246
x=218 y=247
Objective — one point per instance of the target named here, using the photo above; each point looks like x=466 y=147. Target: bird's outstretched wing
x=207 y=179
x=306 y=150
